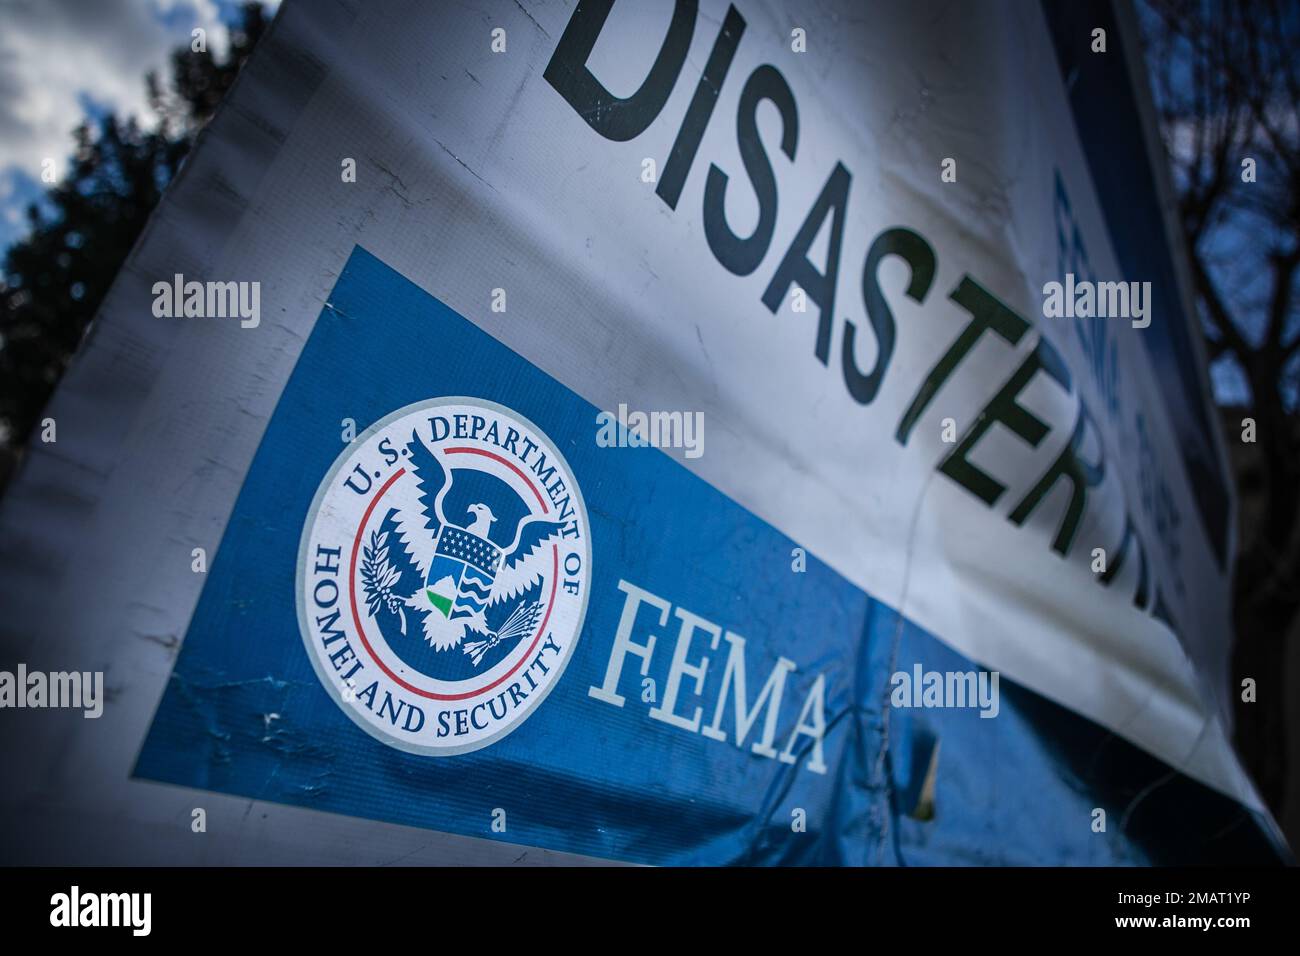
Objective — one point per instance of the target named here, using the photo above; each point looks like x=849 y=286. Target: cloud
x=58 y=56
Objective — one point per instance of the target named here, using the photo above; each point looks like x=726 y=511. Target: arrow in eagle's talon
x=476 y=649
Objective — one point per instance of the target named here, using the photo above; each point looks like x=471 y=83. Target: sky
x=61 y=60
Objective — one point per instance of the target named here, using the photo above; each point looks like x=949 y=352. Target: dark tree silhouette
x=54 y=280
x=1226 y=82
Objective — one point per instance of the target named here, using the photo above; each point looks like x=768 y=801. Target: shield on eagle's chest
x=461 y=573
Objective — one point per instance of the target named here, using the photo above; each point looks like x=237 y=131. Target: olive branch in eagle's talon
x=378 y=576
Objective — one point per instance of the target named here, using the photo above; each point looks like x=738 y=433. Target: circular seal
x=443 y=575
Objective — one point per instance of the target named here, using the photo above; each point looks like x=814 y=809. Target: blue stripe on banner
x=1110 y=129
x=583 y=775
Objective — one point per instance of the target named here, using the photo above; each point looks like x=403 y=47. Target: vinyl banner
x=662 y=433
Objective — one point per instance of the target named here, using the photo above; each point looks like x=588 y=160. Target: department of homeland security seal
x=443 y=574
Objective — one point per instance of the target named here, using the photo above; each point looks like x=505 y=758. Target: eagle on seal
x=464 y=572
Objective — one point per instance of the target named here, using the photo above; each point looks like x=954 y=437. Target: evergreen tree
x=53 y=280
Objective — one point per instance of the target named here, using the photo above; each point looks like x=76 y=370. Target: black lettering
x=700 y=111
x=796 y=269
x=742 y=256
x=611 y=116
x=1002 y=408
x=986 y=313
x=916 y=252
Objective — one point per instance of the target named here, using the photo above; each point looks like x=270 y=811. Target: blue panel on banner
x=642 y=765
